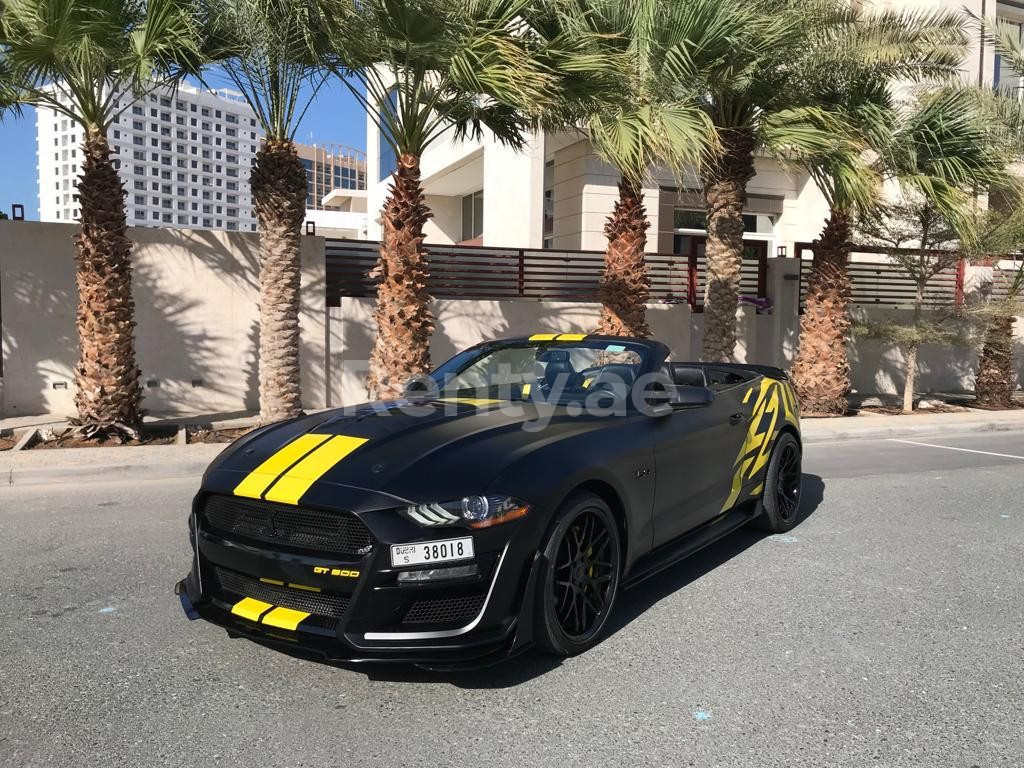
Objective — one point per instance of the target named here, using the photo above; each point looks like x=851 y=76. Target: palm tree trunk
x=404 y=323
x=996 y=375
x=821 y=372
x=725 y=195
x=278 y=183
x=625 y=284
x=108 y=395
x=910 y=371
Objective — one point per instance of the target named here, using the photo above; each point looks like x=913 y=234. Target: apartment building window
x=137 y=110
x=232 y=226
x=165 y=102
x=140 y=199
x=473 y=216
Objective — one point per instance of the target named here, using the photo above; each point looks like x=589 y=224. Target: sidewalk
x=874 y=426
x=154 y=462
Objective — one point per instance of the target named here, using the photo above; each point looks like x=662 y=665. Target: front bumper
x=369 y=616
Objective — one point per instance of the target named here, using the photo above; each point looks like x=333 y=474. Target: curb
x=107 y=472
x=825 y=435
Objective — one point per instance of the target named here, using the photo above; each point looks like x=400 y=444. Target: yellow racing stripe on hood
x=297 y=480
x=257 y=481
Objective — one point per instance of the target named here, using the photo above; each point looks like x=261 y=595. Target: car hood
x=434 y=451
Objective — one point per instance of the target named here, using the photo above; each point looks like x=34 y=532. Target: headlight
x=469 y=511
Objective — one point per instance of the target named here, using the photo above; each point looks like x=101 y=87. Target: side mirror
x=685 y=395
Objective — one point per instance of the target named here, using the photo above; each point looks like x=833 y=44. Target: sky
x=334 y=117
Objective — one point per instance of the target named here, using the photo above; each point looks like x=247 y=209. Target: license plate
x=442 y=551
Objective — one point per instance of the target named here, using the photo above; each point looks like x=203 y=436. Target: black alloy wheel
x=580 y=577
x=781 y=498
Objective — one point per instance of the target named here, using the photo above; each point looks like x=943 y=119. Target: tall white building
x=184 y=157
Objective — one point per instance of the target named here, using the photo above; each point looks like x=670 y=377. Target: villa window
x=473 y=216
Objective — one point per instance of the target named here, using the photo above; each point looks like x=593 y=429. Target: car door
x=695 y=449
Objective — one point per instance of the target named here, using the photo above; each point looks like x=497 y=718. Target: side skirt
x=671 y=553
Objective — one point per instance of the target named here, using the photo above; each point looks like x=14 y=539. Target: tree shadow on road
x=632 y=604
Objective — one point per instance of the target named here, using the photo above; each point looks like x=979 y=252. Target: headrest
x=687 y=375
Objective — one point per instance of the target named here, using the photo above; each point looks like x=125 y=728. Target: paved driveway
x=886 y=630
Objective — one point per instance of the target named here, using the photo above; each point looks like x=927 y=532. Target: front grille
x=279 y=524
x=444 y=610
x=317 y=603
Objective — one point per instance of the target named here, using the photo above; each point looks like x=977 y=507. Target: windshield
x=549 y=371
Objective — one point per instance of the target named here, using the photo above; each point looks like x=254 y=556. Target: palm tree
x=759 y=103
x=426 y=70
x=268 y=50
x=88 y=60
x=850 y=72
x=645 y=56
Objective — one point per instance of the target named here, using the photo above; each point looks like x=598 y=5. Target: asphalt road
x=887 y=629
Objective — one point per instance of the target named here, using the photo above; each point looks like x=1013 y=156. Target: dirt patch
x=7 y=442
x=217 y=435
x=70 y=439
x=1015 y=406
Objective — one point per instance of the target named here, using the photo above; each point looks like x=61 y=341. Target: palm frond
x=92 y=52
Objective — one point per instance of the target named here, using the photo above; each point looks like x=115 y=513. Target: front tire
x=580 y=574
x=780 y=501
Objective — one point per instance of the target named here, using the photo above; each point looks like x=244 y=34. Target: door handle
x=735 y=419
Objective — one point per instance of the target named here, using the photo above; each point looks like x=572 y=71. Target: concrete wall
x=197 y=332
x=197 y=326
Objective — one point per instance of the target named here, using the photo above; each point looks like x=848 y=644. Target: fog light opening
x=438 y=574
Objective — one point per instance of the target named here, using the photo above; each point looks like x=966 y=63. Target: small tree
x=935 y=249
x=995 y=315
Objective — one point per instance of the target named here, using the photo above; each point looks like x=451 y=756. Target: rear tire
x=579 y=579
x=780 y=501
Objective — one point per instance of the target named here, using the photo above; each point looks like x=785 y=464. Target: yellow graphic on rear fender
x=772 y=399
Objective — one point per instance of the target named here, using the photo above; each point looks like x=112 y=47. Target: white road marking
x=951 y=448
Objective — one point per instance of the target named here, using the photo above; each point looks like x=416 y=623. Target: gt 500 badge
x=322 y=570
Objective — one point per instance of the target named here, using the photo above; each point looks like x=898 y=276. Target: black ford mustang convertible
x=503 y=502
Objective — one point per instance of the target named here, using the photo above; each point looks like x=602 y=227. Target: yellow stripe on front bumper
x=543 y=337
x=284 y=618
x=251 y=609
x=257 y=481
x=297 y=480
x=572 y=336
